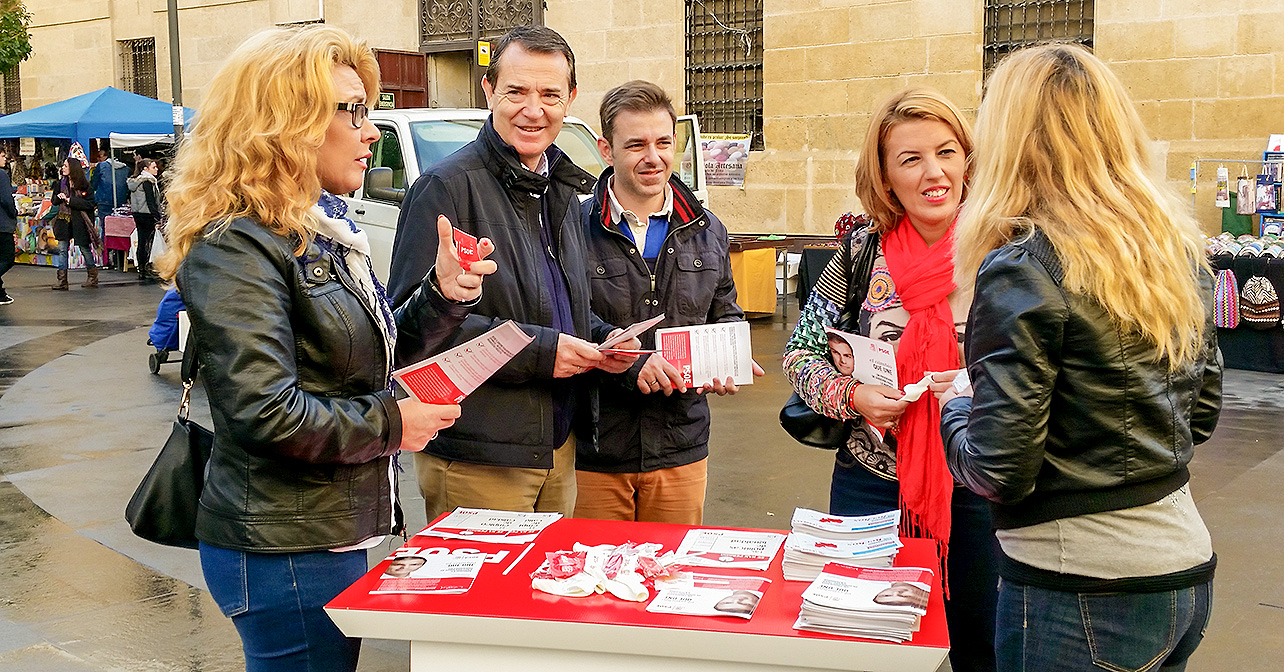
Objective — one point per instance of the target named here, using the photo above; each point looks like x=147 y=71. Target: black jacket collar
x=502 y=161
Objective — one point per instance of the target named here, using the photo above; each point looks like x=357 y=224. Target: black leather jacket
x=486 y=192
x=1070 y=414
x=296 y=373
x=692 y=285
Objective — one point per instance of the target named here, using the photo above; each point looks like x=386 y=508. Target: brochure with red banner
x=708 y=595
x=453 y=375
x=728 y=548
x=442 y=573
x=846 y=528
x=486 y=525
x=806 y=555
x=706 y=351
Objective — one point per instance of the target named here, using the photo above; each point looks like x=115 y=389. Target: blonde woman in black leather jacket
x=295 y=339
x=1094 y=370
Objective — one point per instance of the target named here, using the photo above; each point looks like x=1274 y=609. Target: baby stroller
x=168 y=331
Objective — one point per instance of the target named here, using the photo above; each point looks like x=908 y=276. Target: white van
x=411 y=140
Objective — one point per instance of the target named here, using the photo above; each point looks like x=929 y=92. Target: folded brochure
x=452 y=375
x=633 y=330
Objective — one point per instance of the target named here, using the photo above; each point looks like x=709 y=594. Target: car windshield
x=435 y=140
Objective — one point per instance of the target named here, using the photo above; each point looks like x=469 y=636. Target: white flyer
x=868 y=360
x=635 y=329
x=728 y=548
x=430 y=573
x=449 y=377
x=850 y=526
x=706 y=351
x=709 y=595
x=840 y=549
x=487 y=525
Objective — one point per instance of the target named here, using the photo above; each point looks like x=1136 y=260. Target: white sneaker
x=5 y=299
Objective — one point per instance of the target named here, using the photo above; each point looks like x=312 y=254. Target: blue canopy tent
x=93 y=115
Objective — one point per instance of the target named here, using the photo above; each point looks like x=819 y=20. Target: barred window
x=724 y=66
x=1012 y=24
x=138 y=66
x=12 y=101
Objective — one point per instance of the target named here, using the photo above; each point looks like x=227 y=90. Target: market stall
x=97 y=114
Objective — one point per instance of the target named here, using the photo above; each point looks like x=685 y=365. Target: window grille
x=724 y=66
x=1011 y=24
x=138 y=66
x=12 y=101
x=448 y=25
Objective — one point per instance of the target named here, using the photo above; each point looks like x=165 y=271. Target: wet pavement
x=81 y=419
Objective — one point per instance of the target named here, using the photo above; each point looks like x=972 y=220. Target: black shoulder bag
x=163 y=508
x=797 y=418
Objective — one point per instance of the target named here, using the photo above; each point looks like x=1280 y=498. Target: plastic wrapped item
x=626 y=571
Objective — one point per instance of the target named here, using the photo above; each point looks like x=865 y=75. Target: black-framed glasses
x=359 y=112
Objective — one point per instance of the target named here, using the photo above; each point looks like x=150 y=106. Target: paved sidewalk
x=82 y=419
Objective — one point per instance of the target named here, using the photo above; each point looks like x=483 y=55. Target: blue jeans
x=276 y=602
x=62 y=256
x=972 y=564
x=1041 y=629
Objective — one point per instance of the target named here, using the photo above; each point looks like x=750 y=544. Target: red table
x=502 y=624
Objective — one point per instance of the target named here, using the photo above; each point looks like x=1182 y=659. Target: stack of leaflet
x=874 y=603
x=818 y=539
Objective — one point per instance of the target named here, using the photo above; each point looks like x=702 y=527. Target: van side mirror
x=379 y=186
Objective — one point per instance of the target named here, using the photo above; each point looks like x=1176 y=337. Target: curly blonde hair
x=1061 y=149
x=252 y=151
x=871 y=175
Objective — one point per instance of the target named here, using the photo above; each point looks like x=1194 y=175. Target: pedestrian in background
x=892 y=280
x=144 y=203
x=74 y=223
x=295 y=337
x=8 y=226
x=1094 y=368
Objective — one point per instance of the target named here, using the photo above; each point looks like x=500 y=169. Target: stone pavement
x=82 y=419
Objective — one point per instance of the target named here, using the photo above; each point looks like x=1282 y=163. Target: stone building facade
x=1207 y=75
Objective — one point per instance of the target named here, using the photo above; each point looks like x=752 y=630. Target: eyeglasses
x=547 y=99
x=359 y=112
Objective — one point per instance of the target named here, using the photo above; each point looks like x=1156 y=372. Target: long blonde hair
x=871 y=175
x=252 y=150
x=1061 y=149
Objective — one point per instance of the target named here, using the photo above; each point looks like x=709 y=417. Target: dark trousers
x=7 y=252
x=145 y=223
x=972 y=564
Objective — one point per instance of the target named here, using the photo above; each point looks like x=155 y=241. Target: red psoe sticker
x=466 y=249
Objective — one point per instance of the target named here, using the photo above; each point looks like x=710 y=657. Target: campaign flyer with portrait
x=708 y=595
x=868 y=360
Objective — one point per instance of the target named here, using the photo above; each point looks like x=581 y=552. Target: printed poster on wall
x=725 y=156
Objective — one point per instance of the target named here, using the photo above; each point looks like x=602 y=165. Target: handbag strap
x=858 y=282
x=188 y=374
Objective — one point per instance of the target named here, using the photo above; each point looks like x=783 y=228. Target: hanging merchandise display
x=1223 y=188
x=1265 y=194
x=1226 y=300
x=1259 y=305
x=1246 y=201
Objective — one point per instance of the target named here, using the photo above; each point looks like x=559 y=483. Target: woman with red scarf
x=893 y=281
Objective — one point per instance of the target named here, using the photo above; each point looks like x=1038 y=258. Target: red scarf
x=924 y=278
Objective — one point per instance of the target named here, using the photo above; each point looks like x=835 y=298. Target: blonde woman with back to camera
x=294 y=337
x=1094 y=370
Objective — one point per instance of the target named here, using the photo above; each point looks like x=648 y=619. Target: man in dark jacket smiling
x=652 y=249
x=514 y=448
